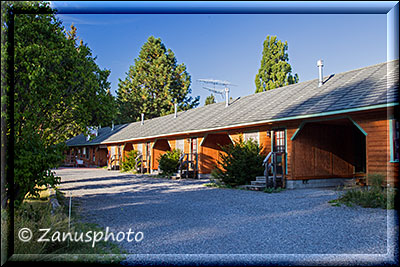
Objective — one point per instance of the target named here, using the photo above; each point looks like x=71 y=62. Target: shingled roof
x=365 y=88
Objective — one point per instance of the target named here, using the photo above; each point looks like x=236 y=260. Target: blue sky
x=229 y=46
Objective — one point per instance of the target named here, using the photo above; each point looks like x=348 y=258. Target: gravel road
x=185 y=217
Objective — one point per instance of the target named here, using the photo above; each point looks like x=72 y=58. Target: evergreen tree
x=275 y=71
x=209 y=100
x=153 y=84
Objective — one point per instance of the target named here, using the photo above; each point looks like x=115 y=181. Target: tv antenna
x=218 y=91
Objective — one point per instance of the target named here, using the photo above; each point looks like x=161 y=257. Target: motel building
x=326 y=131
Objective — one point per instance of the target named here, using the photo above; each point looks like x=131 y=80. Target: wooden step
x=260 y=178
x=255 y=187
x=258 y=182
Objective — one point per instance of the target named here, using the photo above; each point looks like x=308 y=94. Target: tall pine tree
x=153 y=84
x=275 y=71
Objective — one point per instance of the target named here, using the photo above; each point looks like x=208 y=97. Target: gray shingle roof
x=364 y=87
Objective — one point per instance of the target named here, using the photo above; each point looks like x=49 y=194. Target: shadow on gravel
x=186 y=217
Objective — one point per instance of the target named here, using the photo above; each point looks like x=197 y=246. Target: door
x=279 y=141
x=148 y=155
x=193 y=151
x=279 y=145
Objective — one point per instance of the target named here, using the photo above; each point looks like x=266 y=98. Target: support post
x=275 y=168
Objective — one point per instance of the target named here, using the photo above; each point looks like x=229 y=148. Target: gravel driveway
x=185 y=217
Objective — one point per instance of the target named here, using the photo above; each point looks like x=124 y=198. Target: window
x=279 y=141
x=112 y=152
x=193 y=145
x=251 y=135
x=394 y=134
x=180 y=144
x=140 y=148
x=88 y=153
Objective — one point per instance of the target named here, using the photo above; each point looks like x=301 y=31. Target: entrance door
x=148 y=156
x=279 y=145
x=279 y=141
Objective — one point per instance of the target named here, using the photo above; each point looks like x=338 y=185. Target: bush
x=37 y=215
x=373 y=197
x=239 y=163
x=168 y=162
x=33 y=164
x=129 y=162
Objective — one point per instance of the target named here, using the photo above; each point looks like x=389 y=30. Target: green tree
x=210 y=100
x=169 y=162
x=59 y=90
x=275 y=71
x=153 y=84
x=239 y=163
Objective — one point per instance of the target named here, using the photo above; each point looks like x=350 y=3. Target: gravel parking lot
x=185 y=217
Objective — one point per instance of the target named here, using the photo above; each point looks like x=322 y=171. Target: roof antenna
x=218 y=91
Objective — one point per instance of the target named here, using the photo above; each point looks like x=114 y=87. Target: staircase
x=274 y=175
x=187 y=167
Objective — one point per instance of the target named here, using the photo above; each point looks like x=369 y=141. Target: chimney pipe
x=142 y=119
x=112 y=126
x=176 y=110
x=320 y=64
x=226 y=96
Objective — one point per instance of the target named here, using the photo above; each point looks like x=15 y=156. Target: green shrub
x=168 y=162
x=239 y=163
x=373 y=197
x=273 y=190
x=129 y=162
x=37 y=215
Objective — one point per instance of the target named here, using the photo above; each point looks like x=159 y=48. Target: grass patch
x=374 y=196
x=219 y=185
x=271 y=190
x=38 y=214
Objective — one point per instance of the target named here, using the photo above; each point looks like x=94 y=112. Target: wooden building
x=344 y=128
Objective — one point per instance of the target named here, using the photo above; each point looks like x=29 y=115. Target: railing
x=277 y=166
x=188 y=164
x=139 y=163
x=70 y=160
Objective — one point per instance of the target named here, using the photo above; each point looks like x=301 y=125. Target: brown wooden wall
x=209 y=151
x=323 y=151
x=309 y=155
x=376 y=124
x=160 y=147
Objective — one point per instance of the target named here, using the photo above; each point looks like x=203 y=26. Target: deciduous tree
x=59 y=90
x=275 y=71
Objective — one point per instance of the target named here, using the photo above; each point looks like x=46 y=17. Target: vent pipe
x=112 y=126
x=176 y=110
x=142 y=119
x=320 y=64
x=226 y=96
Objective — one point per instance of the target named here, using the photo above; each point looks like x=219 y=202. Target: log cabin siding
x=376 y=124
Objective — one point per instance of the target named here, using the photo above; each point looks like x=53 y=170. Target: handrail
x=184 y=159
x=140 y=156
x=274 y=165
x=267 y=158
